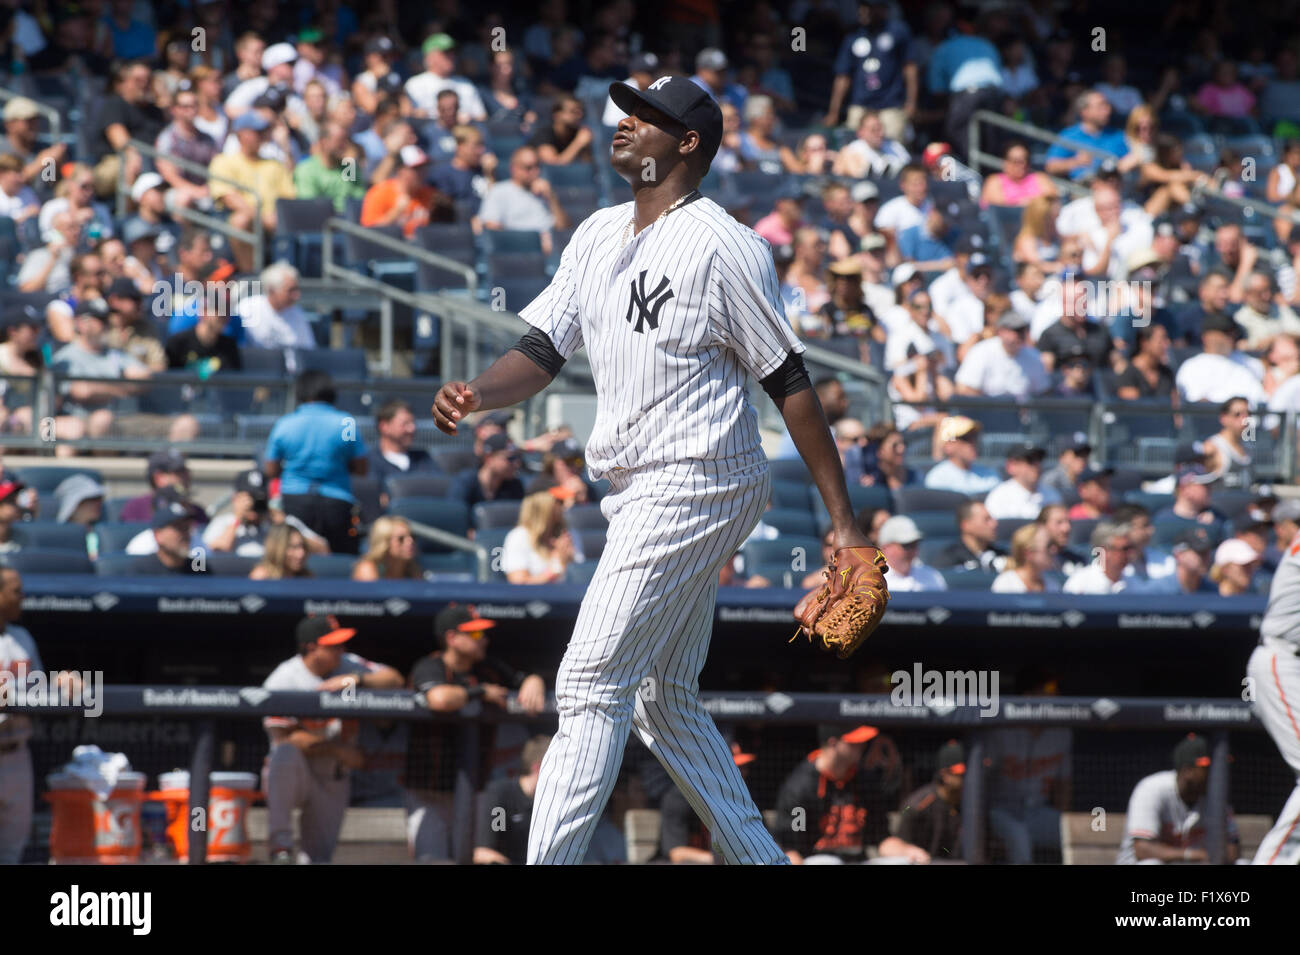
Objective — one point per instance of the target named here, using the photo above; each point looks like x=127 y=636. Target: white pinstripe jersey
x=671 y=325
x=1282 y=617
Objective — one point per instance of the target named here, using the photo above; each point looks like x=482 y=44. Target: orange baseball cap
x=741 y=758
x=461 y=617
x=324 y=631
x=562 y=493
x=849 y=734
x=952 y=757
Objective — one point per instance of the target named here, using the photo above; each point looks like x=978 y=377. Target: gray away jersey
x=671 y=324
x=1282 y=617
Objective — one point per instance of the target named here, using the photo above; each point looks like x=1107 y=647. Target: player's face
x=1192 y=781
x=11 y=595
x=472 y=646
x=646 y=134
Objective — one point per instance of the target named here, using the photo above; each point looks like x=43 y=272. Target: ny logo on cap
x=654 y=301
x=662 y=81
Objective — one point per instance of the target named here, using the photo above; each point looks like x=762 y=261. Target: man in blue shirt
x=876 y=70
x=967 y=69
x=926 y=245
x=1094 y=115
x=314 y=451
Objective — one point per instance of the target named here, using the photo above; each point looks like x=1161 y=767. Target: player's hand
x=850 y=536
x=917 y=856
x=454 y=400
x=336 y=683
x=532 y=694
x=350 y=756
x=495 y=694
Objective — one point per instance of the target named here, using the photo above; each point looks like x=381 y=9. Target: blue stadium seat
x=113 y=507
x=229 y=565
x=299 y=225
x=418 y=485
x=48 y=535
x=496 y=241
x=968 y=579
x=1167 y=530
x=495 y=514
x=508 y=265
x=1007 y=526
x=581 y=574
x=113 y=537
x=573 y=174
x=262 y=361
x=1081 y=531
x=119 y=565
x=932 y=547
x=785 y=550
x=518 y=292
x=346 y=363
x=1151 y=500
x=1235 y=504
x=790 y=520
x=586 y=517
x=910 y=499
x=778 y=573
x=493 y=538
x=38 y=561
x=331 y=565
x=935 y=523
x=454 y=460
x=452 y=562
x=448 y=515
x=861 y=498
x=593 y=543
x=45 y=478
x=789 y=469
x=789 y=494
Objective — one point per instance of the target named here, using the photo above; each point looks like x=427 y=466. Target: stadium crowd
x=1115 y=264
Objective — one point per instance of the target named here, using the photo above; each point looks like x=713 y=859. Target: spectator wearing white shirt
x=17 y=200
x=524 y=202
x=1030 y=290
x=1262 y=316
x=919 y=335
x=1004 y=365
x=274 y=319
x=909 y=209
x=1080 y=215
x=439 y=67
x=1220 y=372
x=952 y=284
x=1113 y=549
x=964 y=314
x=539 y=549
x=277 y=71
x=1022 y=495
x=1108 y=244
x=899 y=540
x=871 y=154
x=958 y=437
x=1031 y=559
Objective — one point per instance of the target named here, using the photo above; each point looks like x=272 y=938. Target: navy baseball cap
x=680 y=99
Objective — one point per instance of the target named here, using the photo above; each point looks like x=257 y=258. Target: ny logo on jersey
x=647 y=306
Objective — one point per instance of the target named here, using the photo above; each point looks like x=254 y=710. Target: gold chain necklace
x=631 y=223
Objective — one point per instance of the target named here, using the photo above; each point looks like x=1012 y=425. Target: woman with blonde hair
x=390 y=554
x=284 y=555
x=1037 y=241
x=1031 y=558
x=539 y=548
x=209 y=117
x=75 y=194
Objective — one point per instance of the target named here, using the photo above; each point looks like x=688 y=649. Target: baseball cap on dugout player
x=680 y=99
x=847 y=733
x=1191 y=751
x=461 y=617
x=323 y=631
x=952 y=758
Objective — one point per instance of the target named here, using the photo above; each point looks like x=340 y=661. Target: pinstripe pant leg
x=669 y=532
x=1276 y=675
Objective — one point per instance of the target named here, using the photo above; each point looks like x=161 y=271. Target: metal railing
x=980 y=158
x=256 y=238
x=456 y=542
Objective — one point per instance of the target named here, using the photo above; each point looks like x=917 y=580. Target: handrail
x=256 y=238
x=980 y=158
x=401 y=246
x=455 y=542
x=52 y=115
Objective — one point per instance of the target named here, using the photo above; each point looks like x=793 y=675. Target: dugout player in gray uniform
x=677 y=305
x=1274 y=670
x=310 y=760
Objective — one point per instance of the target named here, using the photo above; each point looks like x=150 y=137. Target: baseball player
x=676 y=304
x=1274 y=669
x=310 y=759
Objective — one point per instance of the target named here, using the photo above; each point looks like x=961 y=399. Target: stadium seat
x=497 y=241
x=44 y=478
x=1152 y=500
x=581 y=574
x=593 y=543
x=113 y=507
x=790 y=520
x=454 y=460
x=299 y=224
x=910 y=499
x=495 y=514
x=789 y=469
x=932 y=547
x=586 y=517
x=1125 y=479
x=1167 y=530
x=331 y=565
x=37 y=561
x=341 y=363
x=502 y=266
x=517 y=292
x=361 y=253
x=1081 y=531
x=573 y=174
x=113 y=537
x=1007 y=527
x=790 y=494
x=447 y=515
x=452 y=562
x=1233 y=503
x=860 y=498
x=787 y=550
x=778 y=573
x=935 y=523
x=229 y=565
x=48 y=535
x=968 y=579
x=120 y=565
x=418 y=485
x=262 y=361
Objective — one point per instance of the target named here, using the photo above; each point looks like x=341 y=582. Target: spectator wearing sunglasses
x=497 y=476
x=391 y=553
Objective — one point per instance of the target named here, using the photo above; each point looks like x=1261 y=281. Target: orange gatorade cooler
x=229 y=796
x=87 y=830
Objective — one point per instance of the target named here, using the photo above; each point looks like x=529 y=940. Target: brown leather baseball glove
x=841 y=613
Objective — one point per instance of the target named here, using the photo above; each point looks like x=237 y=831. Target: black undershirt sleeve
x=536 y=347
x=789 y=379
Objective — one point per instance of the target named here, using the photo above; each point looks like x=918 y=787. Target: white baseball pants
x=637 y=649
x=1274 y=668
x=293 y=781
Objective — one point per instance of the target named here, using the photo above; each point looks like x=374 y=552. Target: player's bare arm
x=512 y=378
x=806 y=422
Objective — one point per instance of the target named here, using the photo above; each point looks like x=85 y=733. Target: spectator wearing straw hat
x=958 y=438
